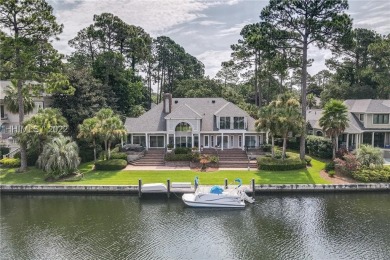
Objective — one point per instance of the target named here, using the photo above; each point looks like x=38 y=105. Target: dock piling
x=168 y=188
x=253 y=187
x=139 y=188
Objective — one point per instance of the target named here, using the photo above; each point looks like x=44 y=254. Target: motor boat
x=217 y=197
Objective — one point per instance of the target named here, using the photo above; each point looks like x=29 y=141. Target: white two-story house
x=194 y=122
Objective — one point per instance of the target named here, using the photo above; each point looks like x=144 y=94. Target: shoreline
x=133 y=189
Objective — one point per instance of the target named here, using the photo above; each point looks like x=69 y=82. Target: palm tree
x=267 y=121
x=11 y=102
x=60 y=157
x=89 y=131
x=46 y=123
x=311 y=100
x=288 y=117
x=11 y=99
x=334 y=120
x=110 y=127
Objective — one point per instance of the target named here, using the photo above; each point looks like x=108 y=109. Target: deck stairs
x=152 y=157
x=233 y=158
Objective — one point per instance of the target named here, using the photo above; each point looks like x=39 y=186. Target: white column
x=266 y=137
x=222 y=142
x=199 y=142
x=132 y=138
x=347 y=142
x=372 y=139
x=192 y=140
x=243 y=142
x=174 y=140
x=146 y=142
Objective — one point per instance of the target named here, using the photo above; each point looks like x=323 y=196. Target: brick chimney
x=167 y=103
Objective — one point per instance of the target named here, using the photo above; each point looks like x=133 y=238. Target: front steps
x=152 y=157
x=234 y=158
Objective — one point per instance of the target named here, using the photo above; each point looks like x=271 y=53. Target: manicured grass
x=305 y=176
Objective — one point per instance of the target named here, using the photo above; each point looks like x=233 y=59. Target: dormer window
x=224 y=122
x=239 y=123
x=361 y=117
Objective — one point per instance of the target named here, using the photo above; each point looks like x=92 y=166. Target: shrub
x=86 y=151
x=270 y=164
x=329 y=166
x=116 y=149
x=182 y=150
x=122 y=156
x=178 y=157
x=331 y=173
x=4 y=150
x=32 y=156
x=214 y=159
x=368 y=155
x=111 y=165
x=293 y=144
x=319 y=146
x=308 y=159
x=366 y=174
x=341 y=152
x=196 y=157
x=348 y=165
x=267 y=148
x=10 y=162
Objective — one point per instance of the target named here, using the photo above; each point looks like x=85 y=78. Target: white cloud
x=152 y=15
x=235 y=30
x=212 y=60
x=208 y=22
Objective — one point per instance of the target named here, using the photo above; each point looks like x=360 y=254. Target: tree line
x=117 y=65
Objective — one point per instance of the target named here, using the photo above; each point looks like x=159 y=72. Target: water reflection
x=327 y=226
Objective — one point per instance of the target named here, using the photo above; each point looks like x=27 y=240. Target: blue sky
x=205 y=28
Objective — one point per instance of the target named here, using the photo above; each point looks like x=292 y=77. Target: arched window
x=319 y=133
x=183 y=127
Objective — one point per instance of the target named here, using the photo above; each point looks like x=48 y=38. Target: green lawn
x=305 y=176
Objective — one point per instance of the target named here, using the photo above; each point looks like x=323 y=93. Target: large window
x=183 y=141
x=250 y=141
x=156 y=141
x=139 y=139
x=224 y=122
x=381 y=119
x=238 y=122
x=183 y=127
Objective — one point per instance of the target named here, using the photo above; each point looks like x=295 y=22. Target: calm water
x=326 y=226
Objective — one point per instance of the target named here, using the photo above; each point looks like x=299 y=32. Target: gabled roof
x=183 y=112
x=368 y=105
x=230 y=109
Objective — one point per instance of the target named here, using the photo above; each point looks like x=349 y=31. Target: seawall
x=133 y=189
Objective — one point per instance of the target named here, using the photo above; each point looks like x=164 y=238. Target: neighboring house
x=10 y=121
x=368 y=123
x=194 y=122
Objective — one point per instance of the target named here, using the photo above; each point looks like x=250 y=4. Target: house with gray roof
x=368 y=123
x=194 y=122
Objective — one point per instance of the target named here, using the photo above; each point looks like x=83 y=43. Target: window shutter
x=218 y=122
x=245 y=123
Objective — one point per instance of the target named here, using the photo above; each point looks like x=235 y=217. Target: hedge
x=319 y=146
x=270 y=164
x=10 y=162
x=366 y=174
x=122 y=156
x=182 y=150
x=110 y=165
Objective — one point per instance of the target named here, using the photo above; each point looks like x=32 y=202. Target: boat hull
x=213 y=202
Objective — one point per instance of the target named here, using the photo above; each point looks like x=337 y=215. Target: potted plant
x=169 y=147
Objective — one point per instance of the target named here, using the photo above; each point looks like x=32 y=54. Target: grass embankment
x=305 y=176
